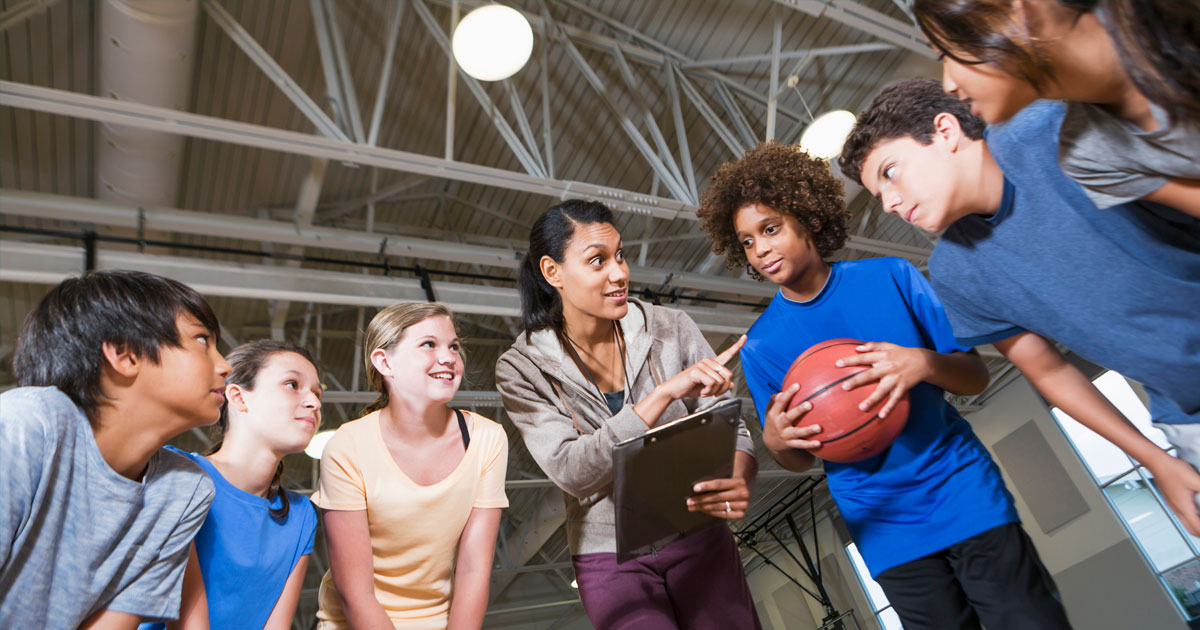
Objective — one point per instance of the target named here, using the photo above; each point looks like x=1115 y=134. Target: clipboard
x=653 y=475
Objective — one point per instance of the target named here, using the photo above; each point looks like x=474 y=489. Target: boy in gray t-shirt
x=96 y=519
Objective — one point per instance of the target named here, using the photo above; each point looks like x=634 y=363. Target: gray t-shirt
x=75 y=536
x=1116 y=162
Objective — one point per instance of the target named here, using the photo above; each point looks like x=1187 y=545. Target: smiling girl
x=412 y=491
x=248 y=561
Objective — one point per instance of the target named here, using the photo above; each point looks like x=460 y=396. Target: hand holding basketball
x=779 y=427
x=896 y=368
x=707 y=377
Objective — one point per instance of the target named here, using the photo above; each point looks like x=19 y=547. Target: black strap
x=588 y=373
x=462 y=426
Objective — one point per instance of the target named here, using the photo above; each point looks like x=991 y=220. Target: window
x=1171 y=552
x=885 y=615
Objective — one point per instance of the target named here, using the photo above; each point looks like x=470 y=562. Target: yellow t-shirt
x=414 y=529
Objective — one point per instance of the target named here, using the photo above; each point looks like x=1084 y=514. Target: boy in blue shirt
x=96 y=518
x=1026 y=258
x=932 y=508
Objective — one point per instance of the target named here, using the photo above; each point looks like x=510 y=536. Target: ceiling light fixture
x=492 y=42
x=824 y=137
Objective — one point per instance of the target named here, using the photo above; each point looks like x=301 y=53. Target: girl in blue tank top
x=248 y=561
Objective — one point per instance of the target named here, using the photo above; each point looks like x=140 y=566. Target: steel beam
x=542 y=521
x=19 y=13
x=273 y=70
x=506 y=131
x=385 y=74
x=465 y=398
x=50 y=264
x=194 y=125
x=518 y=108
x=306 y=205
x=530 y=568
x=531 y=607
x=706 y=111
x=773 y=91
x=740 y=122
x=674 y=184
x=344 y=75
x=166 y=119
x=664 y=151
x=451 y=85
x=824 y=51
x=544 y=80
x=339 y=208
x=867 y=20
x=91 y=211
x=885 y=248
x=681 y=138
x=668 y=52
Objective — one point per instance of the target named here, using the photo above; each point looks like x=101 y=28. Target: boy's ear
x=121 y=360
x=550 y=272
x=947 y=129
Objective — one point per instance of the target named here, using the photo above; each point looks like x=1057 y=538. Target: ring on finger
x=728 y=509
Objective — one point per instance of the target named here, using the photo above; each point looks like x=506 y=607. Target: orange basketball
x=847 y=434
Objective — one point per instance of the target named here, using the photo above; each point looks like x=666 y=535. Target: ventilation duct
x=145 y=56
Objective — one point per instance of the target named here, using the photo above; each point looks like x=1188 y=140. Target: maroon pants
x=694 y=583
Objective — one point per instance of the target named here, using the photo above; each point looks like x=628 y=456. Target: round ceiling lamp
x=317 y=445
x=492 y=42
x=824 y=137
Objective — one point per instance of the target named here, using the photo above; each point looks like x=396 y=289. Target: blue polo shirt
x=1120 y=287
x=936 y=485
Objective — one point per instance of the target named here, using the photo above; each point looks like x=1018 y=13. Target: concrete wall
x=1103 y=579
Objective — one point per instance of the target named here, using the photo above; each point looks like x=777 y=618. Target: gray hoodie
x=568 y=427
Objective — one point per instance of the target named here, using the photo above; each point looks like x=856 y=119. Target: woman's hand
x=707 y=377
x=722 y=498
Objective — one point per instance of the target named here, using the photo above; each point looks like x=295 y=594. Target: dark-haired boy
x=96 y=518
x=932 y=508
x=1027 y=258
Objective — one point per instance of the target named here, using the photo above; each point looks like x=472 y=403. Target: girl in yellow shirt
x=413 y=489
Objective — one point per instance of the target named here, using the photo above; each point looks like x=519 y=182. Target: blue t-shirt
x=1119 y=286
x=246 y=555
x=936 y=485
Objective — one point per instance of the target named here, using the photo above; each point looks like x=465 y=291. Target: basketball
x=847 y=434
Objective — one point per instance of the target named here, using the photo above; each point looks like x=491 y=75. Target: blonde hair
x=386 y=330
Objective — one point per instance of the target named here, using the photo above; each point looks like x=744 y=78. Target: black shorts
x=994 y=579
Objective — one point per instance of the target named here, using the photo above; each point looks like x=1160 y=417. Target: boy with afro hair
x=932 y=508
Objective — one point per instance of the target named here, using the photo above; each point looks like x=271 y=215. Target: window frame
x=1193 y=545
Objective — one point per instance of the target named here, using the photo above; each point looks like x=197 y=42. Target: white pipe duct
x=146 y=50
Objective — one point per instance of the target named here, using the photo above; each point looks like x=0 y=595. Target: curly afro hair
x=785 y=179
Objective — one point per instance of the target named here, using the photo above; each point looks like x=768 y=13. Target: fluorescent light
x=574 y=584
x=492 y=42
x=824 y=137
x=317 y=445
